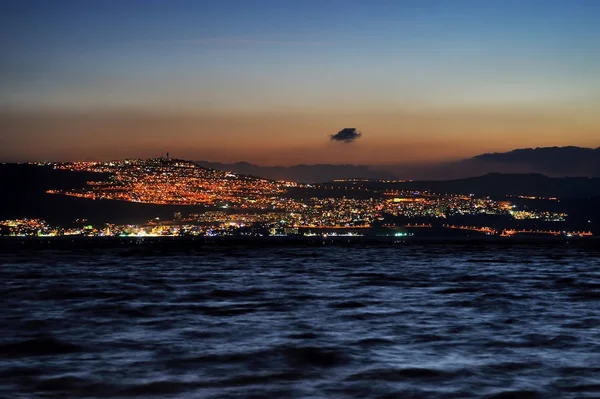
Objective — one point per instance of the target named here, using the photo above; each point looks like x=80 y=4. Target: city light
x=233 y=204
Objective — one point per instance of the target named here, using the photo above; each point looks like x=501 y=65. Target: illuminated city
x=166 y=181
x=236 y=205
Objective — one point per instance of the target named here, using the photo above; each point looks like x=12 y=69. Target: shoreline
x=182 y=244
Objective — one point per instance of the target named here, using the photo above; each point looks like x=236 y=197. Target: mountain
x=24 y=195
x=550 y=161
x=301 y=173
x=554 y=161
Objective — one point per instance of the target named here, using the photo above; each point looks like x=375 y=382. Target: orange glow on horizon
x=293 y=138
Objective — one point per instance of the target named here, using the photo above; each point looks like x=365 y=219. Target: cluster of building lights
x=545 y=215
x=40 y=228
x=166 y=181
x=189 y=227
x=237 y=204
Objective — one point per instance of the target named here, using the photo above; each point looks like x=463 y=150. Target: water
x=404 y=321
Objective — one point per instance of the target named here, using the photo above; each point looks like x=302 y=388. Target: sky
x=270 y=82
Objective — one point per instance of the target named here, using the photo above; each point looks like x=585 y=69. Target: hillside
x=562 y=161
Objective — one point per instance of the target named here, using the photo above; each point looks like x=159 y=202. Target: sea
x=393 y=320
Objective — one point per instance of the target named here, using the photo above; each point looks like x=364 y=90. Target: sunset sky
x=270 y=81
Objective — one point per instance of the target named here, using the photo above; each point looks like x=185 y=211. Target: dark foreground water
x=398 y=321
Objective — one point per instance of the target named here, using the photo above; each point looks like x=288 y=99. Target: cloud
x=346 y=135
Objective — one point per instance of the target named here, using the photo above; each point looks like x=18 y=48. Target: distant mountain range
x=550 y=161
x=560 y=161
x=301 y=173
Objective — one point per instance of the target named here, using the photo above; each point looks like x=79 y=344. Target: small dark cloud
x=346 y=135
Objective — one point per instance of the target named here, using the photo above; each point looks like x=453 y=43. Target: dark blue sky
x=461 y=75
